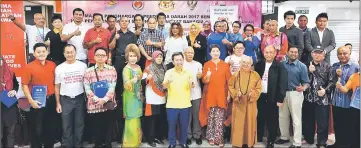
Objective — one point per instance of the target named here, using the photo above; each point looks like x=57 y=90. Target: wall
x=316 y=7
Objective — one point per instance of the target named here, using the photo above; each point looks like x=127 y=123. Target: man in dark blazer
x=274 y=85
x=319 y=37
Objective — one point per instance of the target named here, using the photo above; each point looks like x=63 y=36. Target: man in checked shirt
x=150 y=40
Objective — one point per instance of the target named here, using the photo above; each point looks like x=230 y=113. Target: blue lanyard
x=41 y=35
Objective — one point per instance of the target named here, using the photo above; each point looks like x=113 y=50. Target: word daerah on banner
x=185 y=12
x=228 y=13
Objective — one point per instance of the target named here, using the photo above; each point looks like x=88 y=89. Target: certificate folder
x=39 y=93
x=6 y=100
x=100 y=88
x=355 y=102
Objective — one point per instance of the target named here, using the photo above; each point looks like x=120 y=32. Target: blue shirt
x=164 y=30
x=297 y=74
x=216 y=38
x=236 y=37
x=251 y=48
x=339 y=98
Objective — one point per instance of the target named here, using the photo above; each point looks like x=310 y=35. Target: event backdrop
x=185 y=12
x=12 y=37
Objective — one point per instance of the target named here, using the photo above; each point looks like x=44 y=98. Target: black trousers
x=267 y=113
x=8 y=123
x=342 y=121
x=101 y=126
x=156 y=125
x=44 y=123
x=355 y=127
x=319 y=113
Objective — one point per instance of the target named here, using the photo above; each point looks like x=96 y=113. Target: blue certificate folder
x=355 y=102
x=6 y=100
x=100 y=88
x=38 y=93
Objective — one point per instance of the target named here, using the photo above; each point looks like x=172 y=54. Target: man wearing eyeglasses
x=35 y=33
x=236 y=35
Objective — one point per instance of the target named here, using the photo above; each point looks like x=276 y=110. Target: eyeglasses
x=345 y=53
x=238 y=47
x=235 y=26
x=100 y=55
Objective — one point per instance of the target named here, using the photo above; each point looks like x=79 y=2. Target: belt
x=291 y=89
x=50 y=96
x=72 y=97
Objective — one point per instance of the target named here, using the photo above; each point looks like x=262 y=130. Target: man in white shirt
x=195 y=68
x=69 y=94
x=36 y=33
x=74 y=33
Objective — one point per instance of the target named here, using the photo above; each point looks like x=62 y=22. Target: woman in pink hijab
x=206 y=28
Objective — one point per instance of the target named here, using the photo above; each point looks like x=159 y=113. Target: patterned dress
x=132 y=107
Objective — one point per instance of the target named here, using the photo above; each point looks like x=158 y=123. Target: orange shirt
x=353 y=82
x=218 y=84
x=39 y=74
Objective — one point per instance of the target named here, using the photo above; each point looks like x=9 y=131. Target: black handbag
x=110 y=105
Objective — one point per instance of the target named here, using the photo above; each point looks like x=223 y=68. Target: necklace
x=240 y=89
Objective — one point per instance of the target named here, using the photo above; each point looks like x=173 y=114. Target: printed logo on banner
x=192 y=4
x=138 y=5
x=166 y=5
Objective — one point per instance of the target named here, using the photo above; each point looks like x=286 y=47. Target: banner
x=184 y=12
x=228 y=13
x=12 y=37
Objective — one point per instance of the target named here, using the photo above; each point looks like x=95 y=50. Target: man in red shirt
x=97 y=37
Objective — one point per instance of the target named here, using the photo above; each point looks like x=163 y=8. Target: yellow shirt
x=179 y=91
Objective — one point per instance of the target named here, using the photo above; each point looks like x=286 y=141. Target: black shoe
x=152 y=144
x=184 y=146
x=321 y=145
x=331 y=146
x=199 y=141
x=158 y=141
x=280 y=141
x=171 y=146
x=260 y=139
x=189 y=141
x=293 y=146
x=270 y=145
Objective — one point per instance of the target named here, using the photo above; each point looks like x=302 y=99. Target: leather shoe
x=171 y=146
x=280 y=141
x=199 y=141
x=158 y=141
x=184 y=146
x=321 y=145
x=152 y=144
x=270 y=145
x=189 y=141
x=293 y=146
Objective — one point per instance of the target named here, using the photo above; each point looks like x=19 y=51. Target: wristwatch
x=12 y=19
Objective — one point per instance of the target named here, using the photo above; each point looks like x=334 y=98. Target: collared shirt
x=108 y=74
x=194 y=68
x=321 y=77
x=39 y=74
x=179 y=91
x=279 y=41
x=77 y=41
x=125 y=38
x=339 y=98
x=297 y=74
x=305 y=30
x=236 y=37
x=91 y=35
x=152 y=34
x=134 y=30
x=320 y=34
x=294 y=36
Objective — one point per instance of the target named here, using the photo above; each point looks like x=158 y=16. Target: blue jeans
x=173 y=114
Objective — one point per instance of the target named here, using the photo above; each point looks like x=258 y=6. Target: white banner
x=228 y=13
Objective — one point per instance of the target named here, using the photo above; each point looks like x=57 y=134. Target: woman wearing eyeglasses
x=221 y=38
x=251 y=42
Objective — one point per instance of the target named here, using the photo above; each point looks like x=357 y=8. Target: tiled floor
x=331 y=140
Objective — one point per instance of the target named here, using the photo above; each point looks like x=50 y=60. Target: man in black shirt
x=53 y=39
x=294 y=34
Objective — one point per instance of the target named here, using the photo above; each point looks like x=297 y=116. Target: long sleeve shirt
x=321 y=77
x=295 y=37
x=108 y=74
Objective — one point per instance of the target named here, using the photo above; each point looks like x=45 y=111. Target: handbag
x=110 y=105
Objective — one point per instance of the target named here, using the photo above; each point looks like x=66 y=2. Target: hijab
x=6 y=77
x=157 y=70
x=192 y=36
x=207 y=32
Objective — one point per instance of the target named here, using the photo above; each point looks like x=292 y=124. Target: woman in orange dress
x=215 y=96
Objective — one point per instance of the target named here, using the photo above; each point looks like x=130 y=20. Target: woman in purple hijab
x=206 y=29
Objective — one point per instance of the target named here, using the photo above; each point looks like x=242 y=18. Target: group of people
x=161 y=83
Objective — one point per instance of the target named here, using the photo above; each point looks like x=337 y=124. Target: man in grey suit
x=319 y=37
